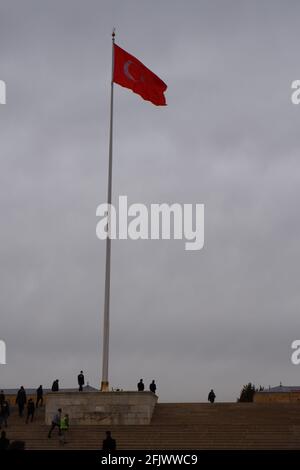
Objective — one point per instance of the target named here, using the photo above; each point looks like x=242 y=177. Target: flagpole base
x=104 y=386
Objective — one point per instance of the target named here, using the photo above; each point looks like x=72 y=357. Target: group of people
x=21 y=400
x=108 y=444
x=59 y=421
x=141 y=386
x=80 y=380
x=152 y=387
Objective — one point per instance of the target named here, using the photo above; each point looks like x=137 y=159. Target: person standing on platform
x=80 y=379
x=30 y=410
x=55 y=387
x=141 y=386
x=39 y=396
x=21 y=400
x=211 y=396
x=152 y=386
x=2 y=397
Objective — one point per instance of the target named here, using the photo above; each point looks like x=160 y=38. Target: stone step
x=179 y=426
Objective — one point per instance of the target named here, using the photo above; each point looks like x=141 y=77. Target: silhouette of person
x=21 y=400
x=30 y=410
x=141 y=386
x=211 y=396
x=152 y=386
x=39 y=396
x=4 y=413
x=55 y=387
x=4 y=442
x=2 y=397
x=109 y=443
x=80 y=379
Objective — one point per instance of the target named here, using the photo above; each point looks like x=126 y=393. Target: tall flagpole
x=105 y=382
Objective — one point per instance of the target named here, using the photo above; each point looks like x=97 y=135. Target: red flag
x=129 y=72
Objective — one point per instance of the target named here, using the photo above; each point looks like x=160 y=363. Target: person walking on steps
x=30 y=410
x=55 y=423
x=64 y=426
x=21 y=400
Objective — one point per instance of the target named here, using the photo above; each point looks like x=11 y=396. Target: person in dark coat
x=211 y=396
x=21 y=400
x=80 y=379
x=55 y=387
x=4 y=442
x=2 y=419
x=39 y=396
x=30 y=410
x=141 y=386
x=2 y=397
x=152 y=386
x=109 y=443
x=4 y=413
x=55 y=423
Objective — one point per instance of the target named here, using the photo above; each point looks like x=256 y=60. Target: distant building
x=280 y=394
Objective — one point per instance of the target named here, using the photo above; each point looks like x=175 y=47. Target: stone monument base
x=106 y=408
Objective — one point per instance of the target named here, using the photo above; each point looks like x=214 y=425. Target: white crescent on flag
x=126 y=70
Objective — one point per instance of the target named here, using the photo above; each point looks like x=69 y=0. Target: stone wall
x=96 y=408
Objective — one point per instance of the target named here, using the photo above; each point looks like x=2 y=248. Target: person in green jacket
x=64 y=427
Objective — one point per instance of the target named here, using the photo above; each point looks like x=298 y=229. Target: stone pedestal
x=104 y=408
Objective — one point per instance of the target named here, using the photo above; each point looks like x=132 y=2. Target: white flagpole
x=105 y=382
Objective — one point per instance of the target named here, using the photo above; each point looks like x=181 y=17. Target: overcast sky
x=229 y=138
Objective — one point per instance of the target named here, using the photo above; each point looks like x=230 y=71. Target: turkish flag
x=129 y=72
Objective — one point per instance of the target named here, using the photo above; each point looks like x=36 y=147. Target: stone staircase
x=179 y=426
